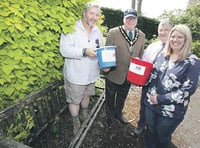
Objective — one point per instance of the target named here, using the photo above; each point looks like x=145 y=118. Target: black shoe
x=122 y=119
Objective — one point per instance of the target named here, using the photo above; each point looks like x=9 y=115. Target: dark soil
x=117 y=136
x=99 y=135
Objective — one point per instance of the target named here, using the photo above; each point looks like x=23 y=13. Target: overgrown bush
x=29 y=50
x=29 y=44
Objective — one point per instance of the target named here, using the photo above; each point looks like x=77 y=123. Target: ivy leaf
x=3 y=26
x=2 y=81
x=4 y=13
x=1 y=41
x=19 y=27
x=18 y=86
x=27 y=60
x=6 y=77
x=33 y=30
x=7 y=69
x=9 y=90
x=8 y=21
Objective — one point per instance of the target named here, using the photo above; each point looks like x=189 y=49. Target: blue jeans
x=159 y=129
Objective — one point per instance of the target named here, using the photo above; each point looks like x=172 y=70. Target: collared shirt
x=133 y=32
x=77 y=68
x=151 y=51
x=127 y=31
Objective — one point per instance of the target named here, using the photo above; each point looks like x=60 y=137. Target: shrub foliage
x=29 y=44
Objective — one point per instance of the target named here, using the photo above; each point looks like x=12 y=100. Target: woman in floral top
x=172 y=82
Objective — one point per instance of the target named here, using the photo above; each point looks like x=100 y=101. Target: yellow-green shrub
x=29 y=44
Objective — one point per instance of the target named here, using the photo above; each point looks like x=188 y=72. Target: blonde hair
x=186 y=49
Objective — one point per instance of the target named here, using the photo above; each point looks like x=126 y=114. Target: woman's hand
x=154 y=99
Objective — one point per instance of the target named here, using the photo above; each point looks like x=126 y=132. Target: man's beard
x=88 y=22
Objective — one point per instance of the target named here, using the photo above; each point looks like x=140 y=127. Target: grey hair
x=164 y=22
x=90 y=5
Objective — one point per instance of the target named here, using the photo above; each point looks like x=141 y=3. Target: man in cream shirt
x=151 y=52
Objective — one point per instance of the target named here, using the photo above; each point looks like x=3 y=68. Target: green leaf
x=8 y=39
x=4 y=13
x=33 y=30
x=40 y=26
x=27 y=60
x=1 y=41
x=3 y=26
x=2 y=81
x=19 y=27
x=7 y=69
x=6 y=77
x=9 y=21
x=11 y=29
x=18 y=86
x=9 y=91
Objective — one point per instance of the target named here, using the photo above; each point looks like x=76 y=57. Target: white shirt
x=77 y=68
x=151 y=51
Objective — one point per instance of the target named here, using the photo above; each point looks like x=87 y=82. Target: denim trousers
x=159 y=129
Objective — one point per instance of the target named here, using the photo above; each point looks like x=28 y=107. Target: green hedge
x=113 y=18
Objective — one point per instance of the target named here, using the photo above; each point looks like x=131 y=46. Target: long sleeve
x=186 y=88
x=173 y=85
x=68 y=48
x=80 y=69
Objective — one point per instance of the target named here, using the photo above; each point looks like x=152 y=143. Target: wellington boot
x=76 y=124
x=84 y=114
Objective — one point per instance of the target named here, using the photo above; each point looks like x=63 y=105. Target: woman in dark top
x=172 y=82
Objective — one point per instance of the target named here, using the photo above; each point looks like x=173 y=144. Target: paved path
x=187 y=135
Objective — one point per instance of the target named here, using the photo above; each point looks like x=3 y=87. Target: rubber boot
x=84 y=114
x=76 y=124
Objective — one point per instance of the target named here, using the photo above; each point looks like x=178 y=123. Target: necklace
x=131 y=42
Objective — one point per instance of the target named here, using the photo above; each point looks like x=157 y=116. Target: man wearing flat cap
x=129 y=42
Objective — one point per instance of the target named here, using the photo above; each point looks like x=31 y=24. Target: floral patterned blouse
x=174 y=85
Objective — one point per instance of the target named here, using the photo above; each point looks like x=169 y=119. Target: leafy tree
x=190 y=17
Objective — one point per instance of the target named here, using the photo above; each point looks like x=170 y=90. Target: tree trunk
x=139 y=7
x=133 y=4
